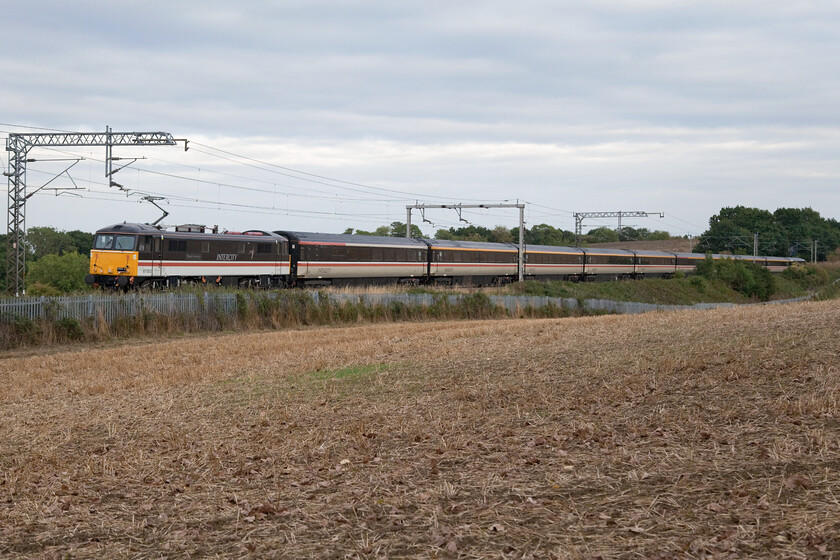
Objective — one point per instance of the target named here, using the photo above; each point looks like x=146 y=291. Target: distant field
x=678 y=435
x=676 y=245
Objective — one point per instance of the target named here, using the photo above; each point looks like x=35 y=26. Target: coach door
x=157 y=256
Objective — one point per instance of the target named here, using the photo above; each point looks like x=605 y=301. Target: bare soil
x=711 y=434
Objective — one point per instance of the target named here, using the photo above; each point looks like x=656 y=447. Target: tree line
x=540 y=234
x=787 y=232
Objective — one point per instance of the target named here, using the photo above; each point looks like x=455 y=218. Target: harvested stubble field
x=681 y=435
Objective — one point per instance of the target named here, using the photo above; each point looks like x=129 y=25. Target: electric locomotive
x=139 y=255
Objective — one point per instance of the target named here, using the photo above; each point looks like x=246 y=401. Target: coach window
x=205 y=246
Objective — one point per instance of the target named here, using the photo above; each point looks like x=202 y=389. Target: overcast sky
x=324 y=114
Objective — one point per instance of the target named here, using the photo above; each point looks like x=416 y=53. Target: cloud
x=682 y=107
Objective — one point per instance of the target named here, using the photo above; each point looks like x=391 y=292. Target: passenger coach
x=470 y=262
x=324 y=258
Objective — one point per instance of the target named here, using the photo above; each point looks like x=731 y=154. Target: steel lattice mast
x=580 y=216
x=18 y=146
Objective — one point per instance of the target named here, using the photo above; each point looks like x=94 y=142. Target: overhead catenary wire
x=316 y=186
x=210 y=182
x=320 y=177
x=267 y=191
x=108 y=195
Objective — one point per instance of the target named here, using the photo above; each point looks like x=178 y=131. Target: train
x=134 y=256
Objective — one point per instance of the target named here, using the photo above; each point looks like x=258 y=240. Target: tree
x=544 y=234
x=42 y=241
x=658 y=235
x=468 y=233
x=628 y=233
x=396 y=229
x=785 y=232
x=500 y=234
x=602 y=234
x=65 y=272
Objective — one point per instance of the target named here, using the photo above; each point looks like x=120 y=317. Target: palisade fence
x=109 y=307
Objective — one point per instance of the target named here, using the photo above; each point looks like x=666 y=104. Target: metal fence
x=108 y=307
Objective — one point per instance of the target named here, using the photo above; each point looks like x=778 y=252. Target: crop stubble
x=689 y=435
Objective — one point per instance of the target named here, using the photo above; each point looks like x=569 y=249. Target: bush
x=39 y=289
x=65 y=273
x=18 y=331
x=477 y=306
x=69 y=328
x=808 y=276
x=750 y=279
x=698 y=282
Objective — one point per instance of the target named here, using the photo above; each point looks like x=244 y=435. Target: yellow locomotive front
x=113 y=260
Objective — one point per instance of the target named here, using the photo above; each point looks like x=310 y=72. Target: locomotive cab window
x=103 y=241
x=125 y=242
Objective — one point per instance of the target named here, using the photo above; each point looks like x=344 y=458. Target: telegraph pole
x=18 y=146
x=459 y=207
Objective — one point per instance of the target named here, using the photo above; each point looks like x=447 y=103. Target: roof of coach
x=691 y=255
x=471 y=245
x=553 y=249
x=610 y=252
x=654 y=254
x=307 y=238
